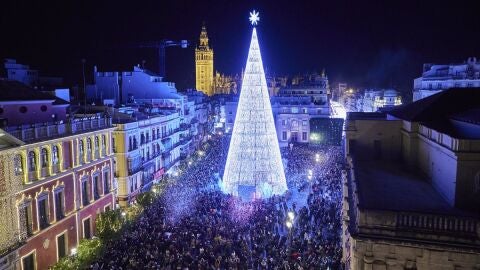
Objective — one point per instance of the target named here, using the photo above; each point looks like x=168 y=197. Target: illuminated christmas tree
x=254 y=166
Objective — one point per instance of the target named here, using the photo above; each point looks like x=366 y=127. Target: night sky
x=369 y=44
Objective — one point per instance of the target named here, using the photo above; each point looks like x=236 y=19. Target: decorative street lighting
x=73 y=251
x=291 y=216
x=289 y=224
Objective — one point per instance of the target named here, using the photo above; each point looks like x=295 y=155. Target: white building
x=127 y=86
x=374 y=99
x=436 y=78
x=314 y=86
x=292 y=117
x=146 y=146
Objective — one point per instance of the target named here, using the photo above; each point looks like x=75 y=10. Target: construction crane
x=160 y=46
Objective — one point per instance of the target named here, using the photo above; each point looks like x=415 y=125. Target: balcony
x=41 y=131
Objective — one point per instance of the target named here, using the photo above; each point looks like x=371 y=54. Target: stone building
x=204 y=65
x=436 y=78
x=64 y=169
x=146 y=146
x=412 y=187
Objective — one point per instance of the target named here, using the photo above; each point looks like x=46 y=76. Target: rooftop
x=387 y=186
x=16 y=91
x=440 y=105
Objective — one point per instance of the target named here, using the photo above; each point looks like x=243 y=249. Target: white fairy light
x=254 y=155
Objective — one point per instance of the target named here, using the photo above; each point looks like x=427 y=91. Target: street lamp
x=289 y=224
x=317 y=157
x=291 y=216
x=73 y=251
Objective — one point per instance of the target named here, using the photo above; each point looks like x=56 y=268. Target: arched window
x=55 y=154
x=89 y=144
x=32 y=161
x=104 y=141
x=81 y=147
x=44 y=158
x=97 y=143
x=18 y=164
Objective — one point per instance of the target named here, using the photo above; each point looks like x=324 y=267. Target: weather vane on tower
x=254 y=18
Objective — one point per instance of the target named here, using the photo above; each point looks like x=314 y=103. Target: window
x=304 y=123
x=305 y=110
x=32 y=160
x=96 y=187
x=59 y=206
x=25 y=217
x=61 y=246
x=85 y=199
x=106 y=182
x=104 y=141
x=28 y=262
x=304 y=136
x=81 y=148
x=284 y=122
x=294 y=123
x=97 y=143
x=89 y=145
x=18 y=164
x=284 y=135
x=86 y=229
x=294 y=110
x=55 y=155
x=43 y=212
x=44 y=158
x=113 y=144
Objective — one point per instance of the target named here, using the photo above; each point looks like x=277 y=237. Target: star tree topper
x=254 y=18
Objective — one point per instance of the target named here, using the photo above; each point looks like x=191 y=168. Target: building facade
x=204 y=65
x=125 y=87
x=411 y=190
x=292 y=118
x=437 y=78
x=373 y=100
x=146 y=148
x=63 y=175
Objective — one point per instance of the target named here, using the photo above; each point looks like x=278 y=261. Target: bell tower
x=204 y=64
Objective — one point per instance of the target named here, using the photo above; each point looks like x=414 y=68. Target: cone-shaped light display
x=254 y=165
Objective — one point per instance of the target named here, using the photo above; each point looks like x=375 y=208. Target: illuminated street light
x=73 y=251
x=289 y=224
x=291 y=215
x=189 y=162
x=124 y=214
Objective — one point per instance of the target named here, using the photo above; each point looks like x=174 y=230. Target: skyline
x=370 y=45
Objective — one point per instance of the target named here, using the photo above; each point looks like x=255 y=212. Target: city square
x=273 y=135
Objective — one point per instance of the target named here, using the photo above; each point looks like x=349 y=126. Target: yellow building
x=204 y=65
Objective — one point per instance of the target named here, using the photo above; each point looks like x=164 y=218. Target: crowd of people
x=193 y=225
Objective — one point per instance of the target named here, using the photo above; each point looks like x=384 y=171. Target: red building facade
x=67 y=182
